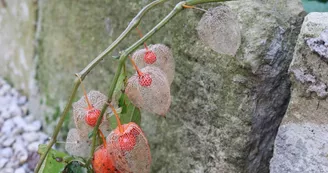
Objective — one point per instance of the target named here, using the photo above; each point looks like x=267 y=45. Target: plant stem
x=196 y=2
x=59 y=124
x=133 y=24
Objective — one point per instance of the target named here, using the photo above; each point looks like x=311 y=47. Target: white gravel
x=20 y=133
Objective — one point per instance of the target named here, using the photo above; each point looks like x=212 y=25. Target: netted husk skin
x=164 y=59
x=98 y=100
x=220 y=30
x=137 y=159
x=155 y=98
x=77 y=145
x=102 y=162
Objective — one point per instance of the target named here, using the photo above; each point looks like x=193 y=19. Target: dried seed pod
x=81 y=113
x=220 y=30
x=77 y=145
x=129 y=149
x=154 y=98
x=164 y=59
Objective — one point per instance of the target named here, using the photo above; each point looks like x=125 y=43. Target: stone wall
x=301 y=144
x=17 y=26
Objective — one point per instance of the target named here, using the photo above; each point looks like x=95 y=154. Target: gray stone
x=17 y=21
x=21 y=100
x=7 y=127
x=7 y=170
x=6 y=152
x=8 y=142
x=33 y=146
x=30 y=136
x=301 y=148
x=301 y=143
x=20 y=170
x=320 y=44
x=3 y=162
x=34 y=126
x=15 y=110
x=19 y=121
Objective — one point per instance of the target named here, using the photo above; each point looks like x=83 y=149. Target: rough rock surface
x=20 y=133
x=301 y=144
x=17 y=25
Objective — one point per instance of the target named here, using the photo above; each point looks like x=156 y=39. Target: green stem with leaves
x=133 y=24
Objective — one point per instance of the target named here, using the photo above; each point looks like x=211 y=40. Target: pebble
x=3 y=162
x=8 y=142
x=30 y=136
x=20 y=133
x=34 y=126
x=7 y=126
x=6 y=152
x=8 y=170
x=33 y=146
x=20 y=170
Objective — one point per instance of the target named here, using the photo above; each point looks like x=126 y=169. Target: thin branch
x=59 y=124
x=133 y=24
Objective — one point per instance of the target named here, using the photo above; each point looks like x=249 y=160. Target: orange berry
x=127 y=141
x=150 y=57
x=145 y=80
x=92 y=117
x=102 y=162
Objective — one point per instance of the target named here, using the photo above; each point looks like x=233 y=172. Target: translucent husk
x=220 y=30
x=80 y=109
x=155 y=98
x=164 y=59
x=77 y=145
x=136 y=160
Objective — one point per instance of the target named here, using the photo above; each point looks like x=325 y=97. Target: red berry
x=102 y=162
x=92 y=117
x=145 y=80
x=150 y=57
x=127 y=141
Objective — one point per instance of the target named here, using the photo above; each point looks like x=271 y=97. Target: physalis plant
x=125 y=148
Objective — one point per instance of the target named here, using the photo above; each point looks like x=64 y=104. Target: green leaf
x=57 y=162
x=74 y=167
x=119 y=87
x=129 y=113
x=54 y=162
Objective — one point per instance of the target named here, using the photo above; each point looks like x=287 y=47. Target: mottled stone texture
x=17 y=23
x=301 y=144
x=225 y=110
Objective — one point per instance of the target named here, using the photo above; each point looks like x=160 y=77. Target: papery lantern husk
x=77 y=145
x=220 y=30
x=155 y=98
x=164 y=59
x=98 y=100
x=136 y=160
